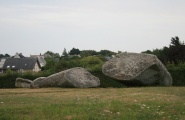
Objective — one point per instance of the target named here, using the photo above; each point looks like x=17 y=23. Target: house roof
x=41 y=59
x=18 y=55
x=47 y=55
x=20 y=63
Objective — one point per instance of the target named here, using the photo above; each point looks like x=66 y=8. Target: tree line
x=174 y=53
x=82 y=53
x=4 y=56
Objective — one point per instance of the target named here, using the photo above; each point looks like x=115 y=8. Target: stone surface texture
x=80 y=78
x=145 y=68
x=75 y=77
x=22 y=83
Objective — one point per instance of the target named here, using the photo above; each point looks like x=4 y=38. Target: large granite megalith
x=144 y=68
x=22 y=83
x=75 y=77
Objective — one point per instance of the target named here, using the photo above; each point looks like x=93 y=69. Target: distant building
x=18 y=55
x=47 y=55
x=40 y=58
x=22 y=64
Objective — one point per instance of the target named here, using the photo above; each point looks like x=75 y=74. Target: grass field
x=146 y=103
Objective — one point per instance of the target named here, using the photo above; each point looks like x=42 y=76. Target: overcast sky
x=36 y=26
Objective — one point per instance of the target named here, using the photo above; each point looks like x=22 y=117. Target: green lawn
x=146 y=103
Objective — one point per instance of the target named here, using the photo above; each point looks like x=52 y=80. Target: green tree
x=64 y=53
x=92 y=63
x=74 y=51
x=7 y=55
x=119 y=51
x=1 y=55
x=148 y=52
x=161 y=55
x=50 y=65
x=67 y=63
x=175 y=41
x=176 y=51
x=106 y=53
x=52 y=54
x=86 y=53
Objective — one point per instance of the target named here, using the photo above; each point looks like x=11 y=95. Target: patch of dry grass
x=156 y=103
